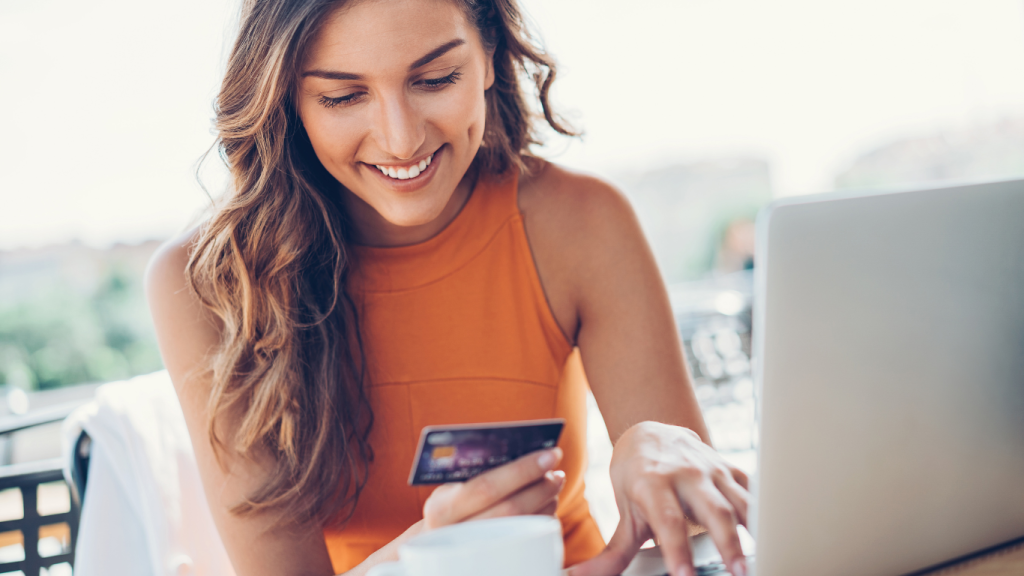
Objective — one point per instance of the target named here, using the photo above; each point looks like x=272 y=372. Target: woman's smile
x=405 y=172
x=409 y=176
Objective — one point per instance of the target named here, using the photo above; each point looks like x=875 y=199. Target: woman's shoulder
x=581 y=230
x=547 y=186
x=166 y=270
x=567 y=207
x=185 y=329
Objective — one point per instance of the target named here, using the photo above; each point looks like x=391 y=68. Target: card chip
x=443 y=452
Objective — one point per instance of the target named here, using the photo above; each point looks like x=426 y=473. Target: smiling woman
x=391 y=256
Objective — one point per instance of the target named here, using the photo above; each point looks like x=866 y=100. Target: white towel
x=144 y=510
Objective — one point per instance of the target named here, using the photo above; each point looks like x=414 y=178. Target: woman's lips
x=409 y=183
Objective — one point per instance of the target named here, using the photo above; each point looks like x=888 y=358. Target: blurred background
x=701 y=111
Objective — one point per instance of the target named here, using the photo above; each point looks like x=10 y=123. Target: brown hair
x=271 y=263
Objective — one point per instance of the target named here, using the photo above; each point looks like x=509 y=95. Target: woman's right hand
x=528 y=485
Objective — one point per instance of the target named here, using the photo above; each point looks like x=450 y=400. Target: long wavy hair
x=271 y=263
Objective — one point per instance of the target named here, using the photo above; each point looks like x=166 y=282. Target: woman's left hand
x=662 y=475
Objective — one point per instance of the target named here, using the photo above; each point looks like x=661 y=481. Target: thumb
x=621 y=549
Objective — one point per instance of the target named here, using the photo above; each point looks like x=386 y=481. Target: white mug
x=510 y=546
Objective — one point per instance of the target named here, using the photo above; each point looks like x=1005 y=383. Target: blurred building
x=73 y=266
x=991 y=151
x=690 y=211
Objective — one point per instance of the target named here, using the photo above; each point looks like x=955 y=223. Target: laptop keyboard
x=709 y=569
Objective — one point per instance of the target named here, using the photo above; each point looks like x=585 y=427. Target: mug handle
x=387 y=569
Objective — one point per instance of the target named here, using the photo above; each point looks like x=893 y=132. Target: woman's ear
x=489 y=74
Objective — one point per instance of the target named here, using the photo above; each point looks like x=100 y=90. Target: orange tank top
x=457 y=330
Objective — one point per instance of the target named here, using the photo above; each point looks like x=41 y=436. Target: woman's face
x=392 y=97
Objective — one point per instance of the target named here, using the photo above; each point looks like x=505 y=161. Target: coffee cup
x=510 y=546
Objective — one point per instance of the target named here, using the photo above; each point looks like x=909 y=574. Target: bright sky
x=107 y=104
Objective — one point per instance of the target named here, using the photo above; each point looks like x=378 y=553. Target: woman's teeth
x=405 y=173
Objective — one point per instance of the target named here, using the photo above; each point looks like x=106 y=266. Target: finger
x=437 y=508
x=530 y=500
x=660 y=506
x=737 y=496
x=621 y=548
x=456 y=502
x=714 y=511
x=550 y=509
x=740 y=477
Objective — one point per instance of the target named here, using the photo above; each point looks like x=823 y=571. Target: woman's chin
x=413 y=218
x=409 y=222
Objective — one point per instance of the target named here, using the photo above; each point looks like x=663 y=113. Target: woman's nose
x=400 y=127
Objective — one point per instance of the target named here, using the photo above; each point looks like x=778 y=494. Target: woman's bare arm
x=605 y=290
x=187 y=334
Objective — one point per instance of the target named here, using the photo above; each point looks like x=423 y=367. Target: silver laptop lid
x=889 y=360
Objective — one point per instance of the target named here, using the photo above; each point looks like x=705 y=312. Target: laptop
x=889 y=364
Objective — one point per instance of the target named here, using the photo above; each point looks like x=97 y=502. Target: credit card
x=459 y=452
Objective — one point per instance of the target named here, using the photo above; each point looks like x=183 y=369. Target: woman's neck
x=372 y=229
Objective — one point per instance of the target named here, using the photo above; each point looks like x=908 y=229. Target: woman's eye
x=437 y=83
x=340 y=100
x=429 y=83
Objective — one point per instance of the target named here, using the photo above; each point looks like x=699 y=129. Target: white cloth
x=144 y=511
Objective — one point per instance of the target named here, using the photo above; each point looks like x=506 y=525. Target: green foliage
x=62 y=337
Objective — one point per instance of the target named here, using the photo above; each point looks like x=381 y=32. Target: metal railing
x=46 y=537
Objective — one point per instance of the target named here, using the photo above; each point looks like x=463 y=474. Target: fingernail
x=547 y=460
x=739 y=568
x=684 y=571
x=558 y=475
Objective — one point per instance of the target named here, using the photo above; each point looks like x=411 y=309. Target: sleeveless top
x=457 y=330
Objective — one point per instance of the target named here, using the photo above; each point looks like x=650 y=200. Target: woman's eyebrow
x=437 y=53
x=331 y=75
x=430 y=57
